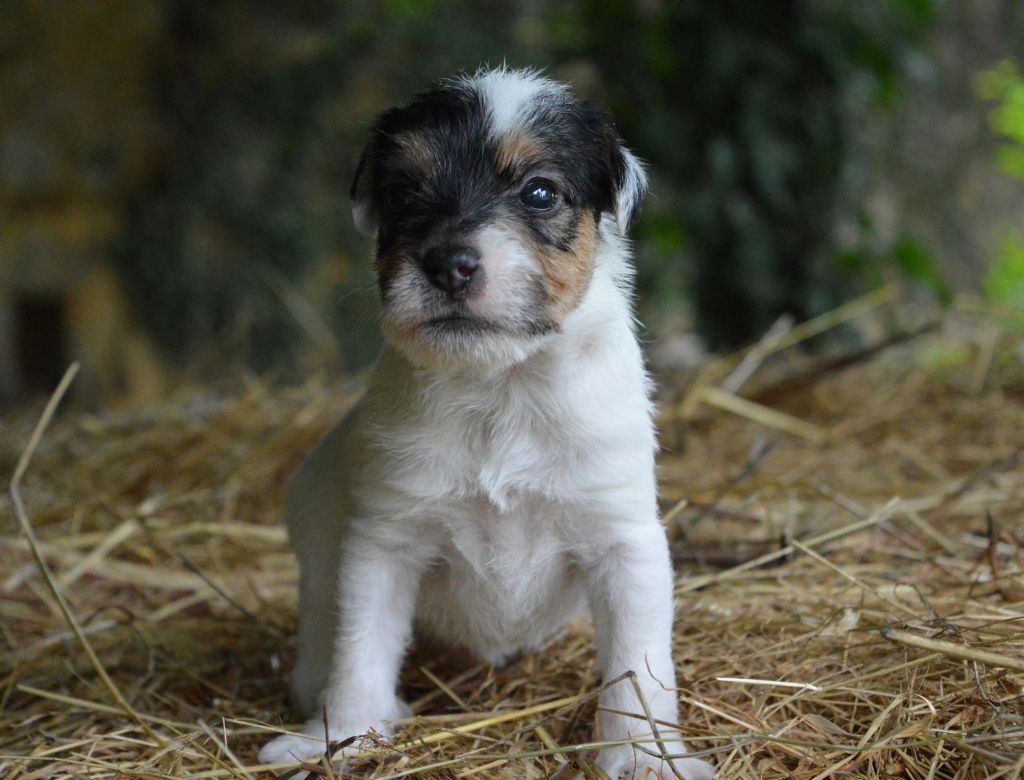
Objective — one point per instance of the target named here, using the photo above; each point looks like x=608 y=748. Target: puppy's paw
x=307 y=746
x=626 y=763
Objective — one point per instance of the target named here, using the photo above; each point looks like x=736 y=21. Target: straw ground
x=847 y=535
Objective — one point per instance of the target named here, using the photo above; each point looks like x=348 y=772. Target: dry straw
x=847 y=533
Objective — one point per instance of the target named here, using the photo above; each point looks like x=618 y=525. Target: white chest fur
x=502 y=580
x=572 y=419
x=499 y=474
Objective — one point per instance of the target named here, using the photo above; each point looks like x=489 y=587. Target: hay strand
x=44 y=570
x=941 y=646
x=770 y=418
x=849 y=607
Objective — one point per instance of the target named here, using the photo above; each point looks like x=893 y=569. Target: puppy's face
x=485 y=196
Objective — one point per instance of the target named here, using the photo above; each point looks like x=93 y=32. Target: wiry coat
x=498 y=477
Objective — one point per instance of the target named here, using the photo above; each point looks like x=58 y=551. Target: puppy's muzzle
x=451 y=269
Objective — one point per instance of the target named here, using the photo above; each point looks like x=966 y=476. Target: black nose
x=451 y=268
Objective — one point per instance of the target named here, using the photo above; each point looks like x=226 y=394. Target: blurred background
x=174 y=175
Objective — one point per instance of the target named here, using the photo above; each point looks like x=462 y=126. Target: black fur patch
x=466 y=186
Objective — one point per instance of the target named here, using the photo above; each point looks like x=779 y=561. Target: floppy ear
x=364 y=211
x=627 y=179
x=629 y=184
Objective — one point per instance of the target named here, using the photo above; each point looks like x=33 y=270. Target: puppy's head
x=486 y=196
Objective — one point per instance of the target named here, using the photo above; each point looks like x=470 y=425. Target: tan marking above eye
x=416 y=151
x=517 y=149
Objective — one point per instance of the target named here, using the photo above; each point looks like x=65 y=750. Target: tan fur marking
x=567 y=273
x=517 y=148
x=416 y=151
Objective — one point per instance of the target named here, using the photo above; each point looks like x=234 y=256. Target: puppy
x=498 y=477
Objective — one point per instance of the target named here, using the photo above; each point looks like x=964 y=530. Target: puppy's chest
x=502 y=460
x=515 y=550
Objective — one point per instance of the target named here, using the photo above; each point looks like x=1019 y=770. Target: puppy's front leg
x=376 y=598
x=630 y=592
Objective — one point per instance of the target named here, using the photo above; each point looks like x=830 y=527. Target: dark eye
x=539 y=194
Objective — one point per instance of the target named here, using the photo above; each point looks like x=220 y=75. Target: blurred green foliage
x=911 y=258
x=1005 y=85
x=746 y=113
x=264 y=108
x=236 y=198
x=1004 y=281
x=907 y=257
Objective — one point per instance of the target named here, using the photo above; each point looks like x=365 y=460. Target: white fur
x=510 y=93
x=631 y=192
x=490 y=501
x=510 y=278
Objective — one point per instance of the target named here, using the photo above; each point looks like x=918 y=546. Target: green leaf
x=1005 y=84
x=914 y=260
x=1010 y=160
x=1004 y=282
